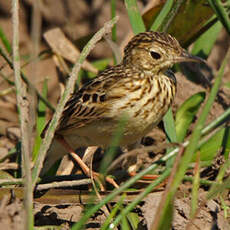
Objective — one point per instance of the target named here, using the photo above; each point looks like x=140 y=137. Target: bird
x=141 y=88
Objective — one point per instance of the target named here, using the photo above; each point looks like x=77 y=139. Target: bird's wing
x=92 y=102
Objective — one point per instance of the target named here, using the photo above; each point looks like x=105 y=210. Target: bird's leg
x=132 y=170
x=83 y=166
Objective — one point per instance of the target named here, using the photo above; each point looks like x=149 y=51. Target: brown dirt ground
x=88 y=18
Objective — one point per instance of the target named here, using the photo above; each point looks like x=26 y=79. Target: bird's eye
x=155 y=55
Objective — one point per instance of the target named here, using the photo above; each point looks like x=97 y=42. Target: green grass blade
x=186 y=114
x=133 y=220
x=5 y=41
x=226 y=143
x=166 y=223
x=211 y=147
x=195 y=189
x=41 y=121
x=219 y=187
x=134 y=16
x=162 y=15
x=113 y=14
x=114 y=29
x=141 y=196
x=171 y=15
x=204 y=44
x=125 y=224
x=170 y=130
x=113 y=212
x=221 y=13
x=217 y=122
x=169 y=126
x=122 y=188
x=110 y=154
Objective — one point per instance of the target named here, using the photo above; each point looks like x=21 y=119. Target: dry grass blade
x=62 y=184
x=22 y=105
x=63 y=47
x=158 y=221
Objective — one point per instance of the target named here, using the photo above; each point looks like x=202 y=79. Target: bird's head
x=155 y=52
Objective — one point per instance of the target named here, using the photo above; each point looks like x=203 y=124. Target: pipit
x=140 y=88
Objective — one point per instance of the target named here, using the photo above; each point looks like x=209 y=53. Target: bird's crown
x=143 y=39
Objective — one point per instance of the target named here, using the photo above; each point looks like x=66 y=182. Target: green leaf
x=41 y=121
x=165 y=222
x=226 y=143
x=133 y=220
x=204 y=44
x=169 y=126
x=135 y=17
x=210 y=148
x=186 y=113
x=189 y=22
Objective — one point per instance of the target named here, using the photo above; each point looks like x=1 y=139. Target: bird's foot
x=82 y=164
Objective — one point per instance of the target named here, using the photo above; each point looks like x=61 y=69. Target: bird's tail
x=55 y=152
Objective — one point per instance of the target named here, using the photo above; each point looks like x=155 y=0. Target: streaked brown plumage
x=140 y=88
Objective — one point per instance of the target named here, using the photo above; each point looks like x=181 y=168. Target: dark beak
x=186 y=57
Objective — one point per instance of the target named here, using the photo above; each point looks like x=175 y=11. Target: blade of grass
x=113 y=14
x=41 y=120
x=186 y=113
x=140 y=197
x=169 y=126
x=133 y=220
x=221 y=13
x=195 y=188
x=68 y=90
x=170 y=16
x=5 y=41
x=210 y=148
x=159 y=223
x=126 y=185
x=36 y=23
x=204 y=44
x=218 y=121
x=194 y=138
x=226 y=143
x=114 y=29
x=220 y=186
x=23 y=117
x=162 y=15
x=110 y=154
x=124 y=224
x=170 y=130
x=135 y=17
x=113 y=212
